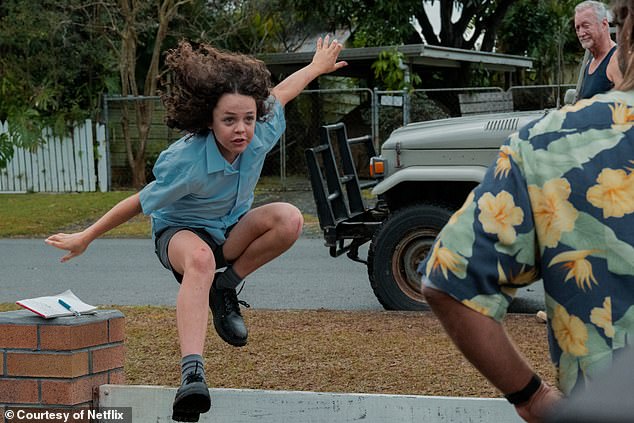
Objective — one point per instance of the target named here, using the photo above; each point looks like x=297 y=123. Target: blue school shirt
x=196 y=187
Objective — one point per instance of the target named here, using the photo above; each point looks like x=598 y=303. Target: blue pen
x=68 y=307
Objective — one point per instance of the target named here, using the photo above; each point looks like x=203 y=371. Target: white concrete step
x=154 y=404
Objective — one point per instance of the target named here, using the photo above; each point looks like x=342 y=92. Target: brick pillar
x=57 y=363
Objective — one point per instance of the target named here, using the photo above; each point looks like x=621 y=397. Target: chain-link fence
x=122 y=119
x=364 y=112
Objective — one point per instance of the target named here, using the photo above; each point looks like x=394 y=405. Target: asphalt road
x=126 y=272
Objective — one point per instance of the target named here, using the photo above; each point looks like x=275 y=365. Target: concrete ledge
x=154 y=404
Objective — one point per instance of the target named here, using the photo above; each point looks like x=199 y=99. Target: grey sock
x=228 y=279
x=192 y=363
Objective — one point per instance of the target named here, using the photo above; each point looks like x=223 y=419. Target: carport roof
x=423 y=55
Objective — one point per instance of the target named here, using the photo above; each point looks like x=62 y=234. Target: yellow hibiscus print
x=446 y=260
x=503 y=163
x=577 y=106
x=552 y=211
x=477 y=307
x=499 y=215
x=570 y=332
x=521 y=278
x=621 y=115
x=614 y=193
x=602 y=317
x=454 y=218
x=579 y=267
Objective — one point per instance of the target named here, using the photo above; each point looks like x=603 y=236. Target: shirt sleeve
x=172 y=183
x=271 y=129
x=488 y=248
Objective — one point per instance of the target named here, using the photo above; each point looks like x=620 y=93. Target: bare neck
x=601 y=49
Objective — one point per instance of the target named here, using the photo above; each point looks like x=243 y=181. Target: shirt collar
x=215 y=161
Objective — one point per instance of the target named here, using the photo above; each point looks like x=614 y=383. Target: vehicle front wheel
x=396 y=250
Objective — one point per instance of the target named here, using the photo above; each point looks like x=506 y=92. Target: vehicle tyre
x=397 y=247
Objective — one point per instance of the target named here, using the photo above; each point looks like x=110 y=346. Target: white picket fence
x=61 y=164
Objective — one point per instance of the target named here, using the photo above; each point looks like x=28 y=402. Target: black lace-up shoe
x=228 y=320
x=192 y=398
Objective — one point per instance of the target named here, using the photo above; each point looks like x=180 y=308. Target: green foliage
x=390 y=70
x=375 y=23
x=422 y=108
x=51 y=67
x=6 y=150
x=542 y=29
x=382 y=23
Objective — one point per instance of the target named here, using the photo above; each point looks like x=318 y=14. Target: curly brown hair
x=623 y=11
x=199 y=77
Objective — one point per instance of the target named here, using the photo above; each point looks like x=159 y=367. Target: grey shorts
x=164 y=237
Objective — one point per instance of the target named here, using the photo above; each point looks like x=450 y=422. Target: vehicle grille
x=502 y=124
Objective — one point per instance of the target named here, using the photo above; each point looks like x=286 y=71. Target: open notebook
x=64 y=304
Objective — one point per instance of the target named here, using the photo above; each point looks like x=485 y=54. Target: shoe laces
x=194 y=376
x=232 y=303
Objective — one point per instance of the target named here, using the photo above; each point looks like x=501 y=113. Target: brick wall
x=57 y=363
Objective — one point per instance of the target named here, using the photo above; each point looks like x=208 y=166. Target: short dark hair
x=198 y=77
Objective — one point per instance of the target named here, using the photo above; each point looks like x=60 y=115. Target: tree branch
x=426 y=28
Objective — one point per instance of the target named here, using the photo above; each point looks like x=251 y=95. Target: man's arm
x=485 y=343
x=76 y=243
x=613 y=72
x=324 y=61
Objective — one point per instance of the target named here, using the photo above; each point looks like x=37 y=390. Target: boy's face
x=233 y=124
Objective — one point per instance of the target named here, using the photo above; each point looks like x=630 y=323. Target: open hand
x=75 y=244
x=325 y=58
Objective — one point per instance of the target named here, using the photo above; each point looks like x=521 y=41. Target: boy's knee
x=293 y=222
x=201 y=261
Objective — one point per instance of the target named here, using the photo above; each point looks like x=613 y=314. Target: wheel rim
x=408 y=254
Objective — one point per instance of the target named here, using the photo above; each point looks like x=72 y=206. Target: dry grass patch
x=328 y=351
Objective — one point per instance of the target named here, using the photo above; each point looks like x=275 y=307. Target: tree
x=58 y=57
x=522 y=32
x=131 y=10
x=481 y=17
x=133 y=24
x=386 y=22
x=51 y=70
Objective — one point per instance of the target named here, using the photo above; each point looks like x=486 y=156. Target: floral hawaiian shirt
x=558 y=204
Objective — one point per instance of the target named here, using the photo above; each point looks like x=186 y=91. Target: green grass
x=37 y=215
x=42 y=214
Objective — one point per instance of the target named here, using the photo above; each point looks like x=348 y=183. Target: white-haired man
x=593 y=31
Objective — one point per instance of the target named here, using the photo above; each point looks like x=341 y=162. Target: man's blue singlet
x=597 y=81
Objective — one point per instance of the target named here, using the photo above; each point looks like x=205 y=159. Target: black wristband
x=525 y=393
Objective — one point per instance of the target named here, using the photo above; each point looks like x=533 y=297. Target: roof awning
x=415 y=54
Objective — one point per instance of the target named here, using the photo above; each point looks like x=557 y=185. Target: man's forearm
x=483 y=341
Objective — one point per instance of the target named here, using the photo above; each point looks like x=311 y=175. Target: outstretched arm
x=485 y=343
x=324 y=61
x=77 y=243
